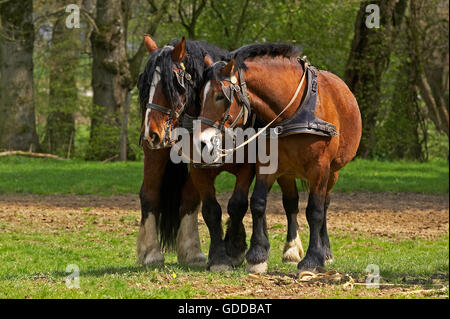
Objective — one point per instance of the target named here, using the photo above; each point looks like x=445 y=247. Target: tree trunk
x=369 y=58
x=17 y=116
x=431 y=64
x=111 y=79
x=124 y=129
x=63 y=65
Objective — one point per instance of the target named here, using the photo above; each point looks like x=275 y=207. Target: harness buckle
x=278 y=130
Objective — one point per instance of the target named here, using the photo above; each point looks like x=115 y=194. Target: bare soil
x=397 y=216
x=394 y=216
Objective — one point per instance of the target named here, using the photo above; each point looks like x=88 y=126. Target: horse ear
x=208 y=61
x=179 y=52
x=228 y=69
x=150 y=45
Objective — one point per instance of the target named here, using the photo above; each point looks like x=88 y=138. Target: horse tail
x=175 y=176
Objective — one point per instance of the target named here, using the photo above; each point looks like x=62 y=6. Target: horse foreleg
x=203 y=179
x=188 y=240
x=258 y=253
x=148 y=248
x=237 y=207
x=293 y=250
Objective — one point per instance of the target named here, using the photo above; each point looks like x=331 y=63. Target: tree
x=369 y=59
x=114 y=75
x=428 y=32
x=63 y=64
x=17 y=114
x=189 y=21
x=111 y=78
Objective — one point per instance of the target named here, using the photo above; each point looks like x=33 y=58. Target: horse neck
x=272 y=84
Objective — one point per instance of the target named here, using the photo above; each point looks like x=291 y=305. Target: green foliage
x=324 y=29
x=105 y=134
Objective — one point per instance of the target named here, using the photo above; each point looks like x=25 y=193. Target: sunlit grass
x=33 y=265
x=43 y=176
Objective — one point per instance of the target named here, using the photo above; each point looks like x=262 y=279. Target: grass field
x=37 y=245
x=41 y=235
x=43 y=176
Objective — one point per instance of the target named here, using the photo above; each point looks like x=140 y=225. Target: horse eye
x=219 y=97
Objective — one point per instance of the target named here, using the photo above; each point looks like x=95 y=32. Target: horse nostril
x=154 y=138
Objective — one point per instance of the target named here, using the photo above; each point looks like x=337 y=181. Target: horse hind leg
x=148 y=247
x=315 y=215
x=188 y=240
x=323 y=231
x=293 y=249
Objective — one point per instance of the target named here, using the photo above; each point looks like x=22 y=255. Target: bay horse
x=275 y=79
x=169 y=201
x=165 y=108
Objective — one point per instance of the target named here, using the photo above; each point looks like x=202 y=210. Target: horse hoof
x=237 y=261
x=256 y=268
x=155 y=258
x=293 y=251
x=308 y=264
x=291 y=256
x=197 y=260
x=220 y=268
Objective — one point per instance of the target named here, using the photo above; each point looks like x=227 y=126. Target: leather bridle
x=229 y=91
x=182 y=77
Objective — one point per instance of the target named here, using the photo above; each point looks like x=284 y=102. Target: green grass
x=33 y=265
x=43 y=176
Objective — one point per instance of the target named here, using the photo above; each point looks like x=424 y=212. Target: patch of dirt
x=396 y=216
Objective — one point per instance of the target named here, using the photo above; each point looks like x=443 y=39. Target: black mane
x=253 y=51
x=264 y=49
x=194 y=62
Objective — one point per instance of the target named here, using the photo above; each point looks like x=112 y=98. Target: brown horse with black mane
x=325 y=139
x=168 y=91
x=169 y=201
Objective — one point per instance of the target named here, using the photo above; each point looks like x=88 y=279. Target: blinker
x=228 y=92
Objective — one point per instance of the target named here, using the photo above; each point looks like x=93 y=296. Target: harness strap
x=211 y=123
x=159 y=108
x=227 y=151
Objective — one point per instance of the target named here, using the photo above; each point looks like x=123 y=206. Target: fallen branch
x=30 y=154
x=111 y=158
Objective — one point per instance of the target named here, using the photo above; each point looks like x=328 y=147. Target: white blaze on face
x=205 y=91
x=147 y=127
x=155 y=81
